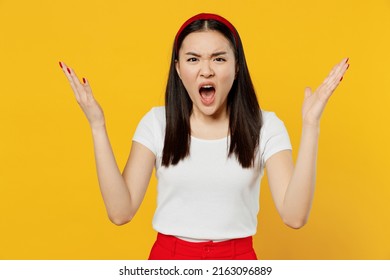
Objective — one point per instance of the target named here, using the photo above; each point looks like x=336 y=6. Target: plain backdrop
x=50 y=204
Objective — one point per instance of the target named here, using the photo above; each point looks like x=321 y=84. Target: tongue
x=207 y=96
x=207 y=93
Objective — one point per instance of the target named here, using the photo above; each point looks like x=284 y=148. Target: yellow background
x=50 y=205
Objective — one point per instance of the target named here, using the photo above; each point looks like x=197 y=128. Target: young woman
x=209 y=145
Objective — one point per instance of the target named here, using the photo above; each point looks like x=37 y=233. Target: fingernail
x=347 y=60
x=60 y=64
x=348 y=66
x=68 y=70
x=341 y=79
x=84 y=81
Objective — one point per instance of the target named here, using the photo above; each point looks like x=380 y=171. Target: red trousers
x=168 y=247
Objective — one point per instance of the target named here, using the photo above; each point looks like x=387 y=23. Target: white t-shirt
x=208 y=195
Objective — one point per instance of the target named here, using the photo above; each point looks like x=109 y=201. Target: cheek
x=228 y=78
x=188 y=78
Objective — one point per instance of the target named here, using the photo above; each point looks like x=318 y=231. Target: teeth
x=208 y=86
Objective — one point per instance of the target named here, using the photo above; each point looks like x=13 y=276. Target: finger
x=342 y=67
x=339 y=77
x=335 y=81
x=77 y=84
x=325 y=90
x=336 y=76
x=308 y=92
x=333 y=71
x=329 y=85
x=338 y=67
x=332 y=74
x=87 y=88
x=67 y=71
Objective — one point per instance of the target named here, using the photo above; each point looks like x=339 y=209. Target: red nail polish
x=60 y=64
x=68 y=70
x=341 y=79
x=84 y=81
x=347 y=60
x=348 y=66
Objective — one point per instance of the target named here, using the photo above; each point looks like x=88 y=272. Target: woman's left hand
x=314 y=103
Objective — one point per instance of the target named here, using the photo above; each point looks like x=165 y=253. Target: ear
x=177 y=66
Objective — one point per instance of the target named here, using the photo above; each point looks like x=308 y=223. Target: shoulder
x=150 y=130
x=155 y=115
x=271 y=125
x=273 y=136
x=269 y=118
x=157 y=112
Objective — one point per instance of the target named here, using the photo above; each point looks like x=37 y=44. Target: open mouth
x=207 y=94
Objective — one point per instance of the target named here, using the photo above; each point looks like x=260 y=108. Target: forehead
x=205 y=42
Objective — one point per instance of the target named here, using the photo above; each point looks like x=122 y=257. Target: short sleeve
x=274 y=136
x=145 y=133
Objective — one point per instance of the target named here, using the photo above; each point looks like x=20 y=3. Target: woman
x=209 y=145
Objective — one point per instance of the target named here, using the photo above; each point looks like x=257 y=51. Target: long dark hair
x=245 y=118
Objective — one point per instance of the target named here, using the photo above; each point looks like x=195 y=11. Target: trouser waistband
x=224 y=248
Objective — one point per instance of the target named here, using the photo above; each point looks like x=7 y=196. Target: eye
x=192 y=59
x=220 y=59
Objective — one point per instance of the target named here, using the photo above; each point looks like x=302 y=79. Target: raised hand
x=314 y=103
x=84 y=97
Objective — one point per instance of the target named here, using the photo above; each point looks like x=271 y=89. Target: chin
x=210 y=111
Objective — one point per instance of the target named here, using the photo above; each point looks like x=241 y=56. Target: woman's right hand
x=84 y=97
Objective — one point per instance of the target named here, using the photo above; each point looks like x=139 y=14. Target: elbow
x=120 y=220
x=295 y=223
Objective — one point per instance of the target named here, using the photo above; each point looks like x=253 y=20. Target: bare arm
x=122 y=195
x=293 y=187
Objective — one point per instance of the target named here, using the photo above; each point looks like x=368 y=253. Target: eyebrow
x=212 y=55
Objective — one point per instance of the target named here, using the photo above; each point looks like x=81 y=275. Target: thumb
x=307 y=92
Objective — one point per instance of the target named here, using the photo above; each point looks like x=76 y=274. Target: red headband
x=205 y=16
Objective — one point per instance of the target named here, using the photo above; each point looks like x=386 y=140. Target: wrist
x=98 y=128
x=311 y=127
x=310 y=122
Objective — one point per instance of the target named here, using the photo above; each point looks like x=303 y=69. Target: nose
x=206 y=70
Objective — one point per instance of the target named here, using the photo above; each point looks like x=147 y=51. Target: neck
x=214 y=126
x=217 y=117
